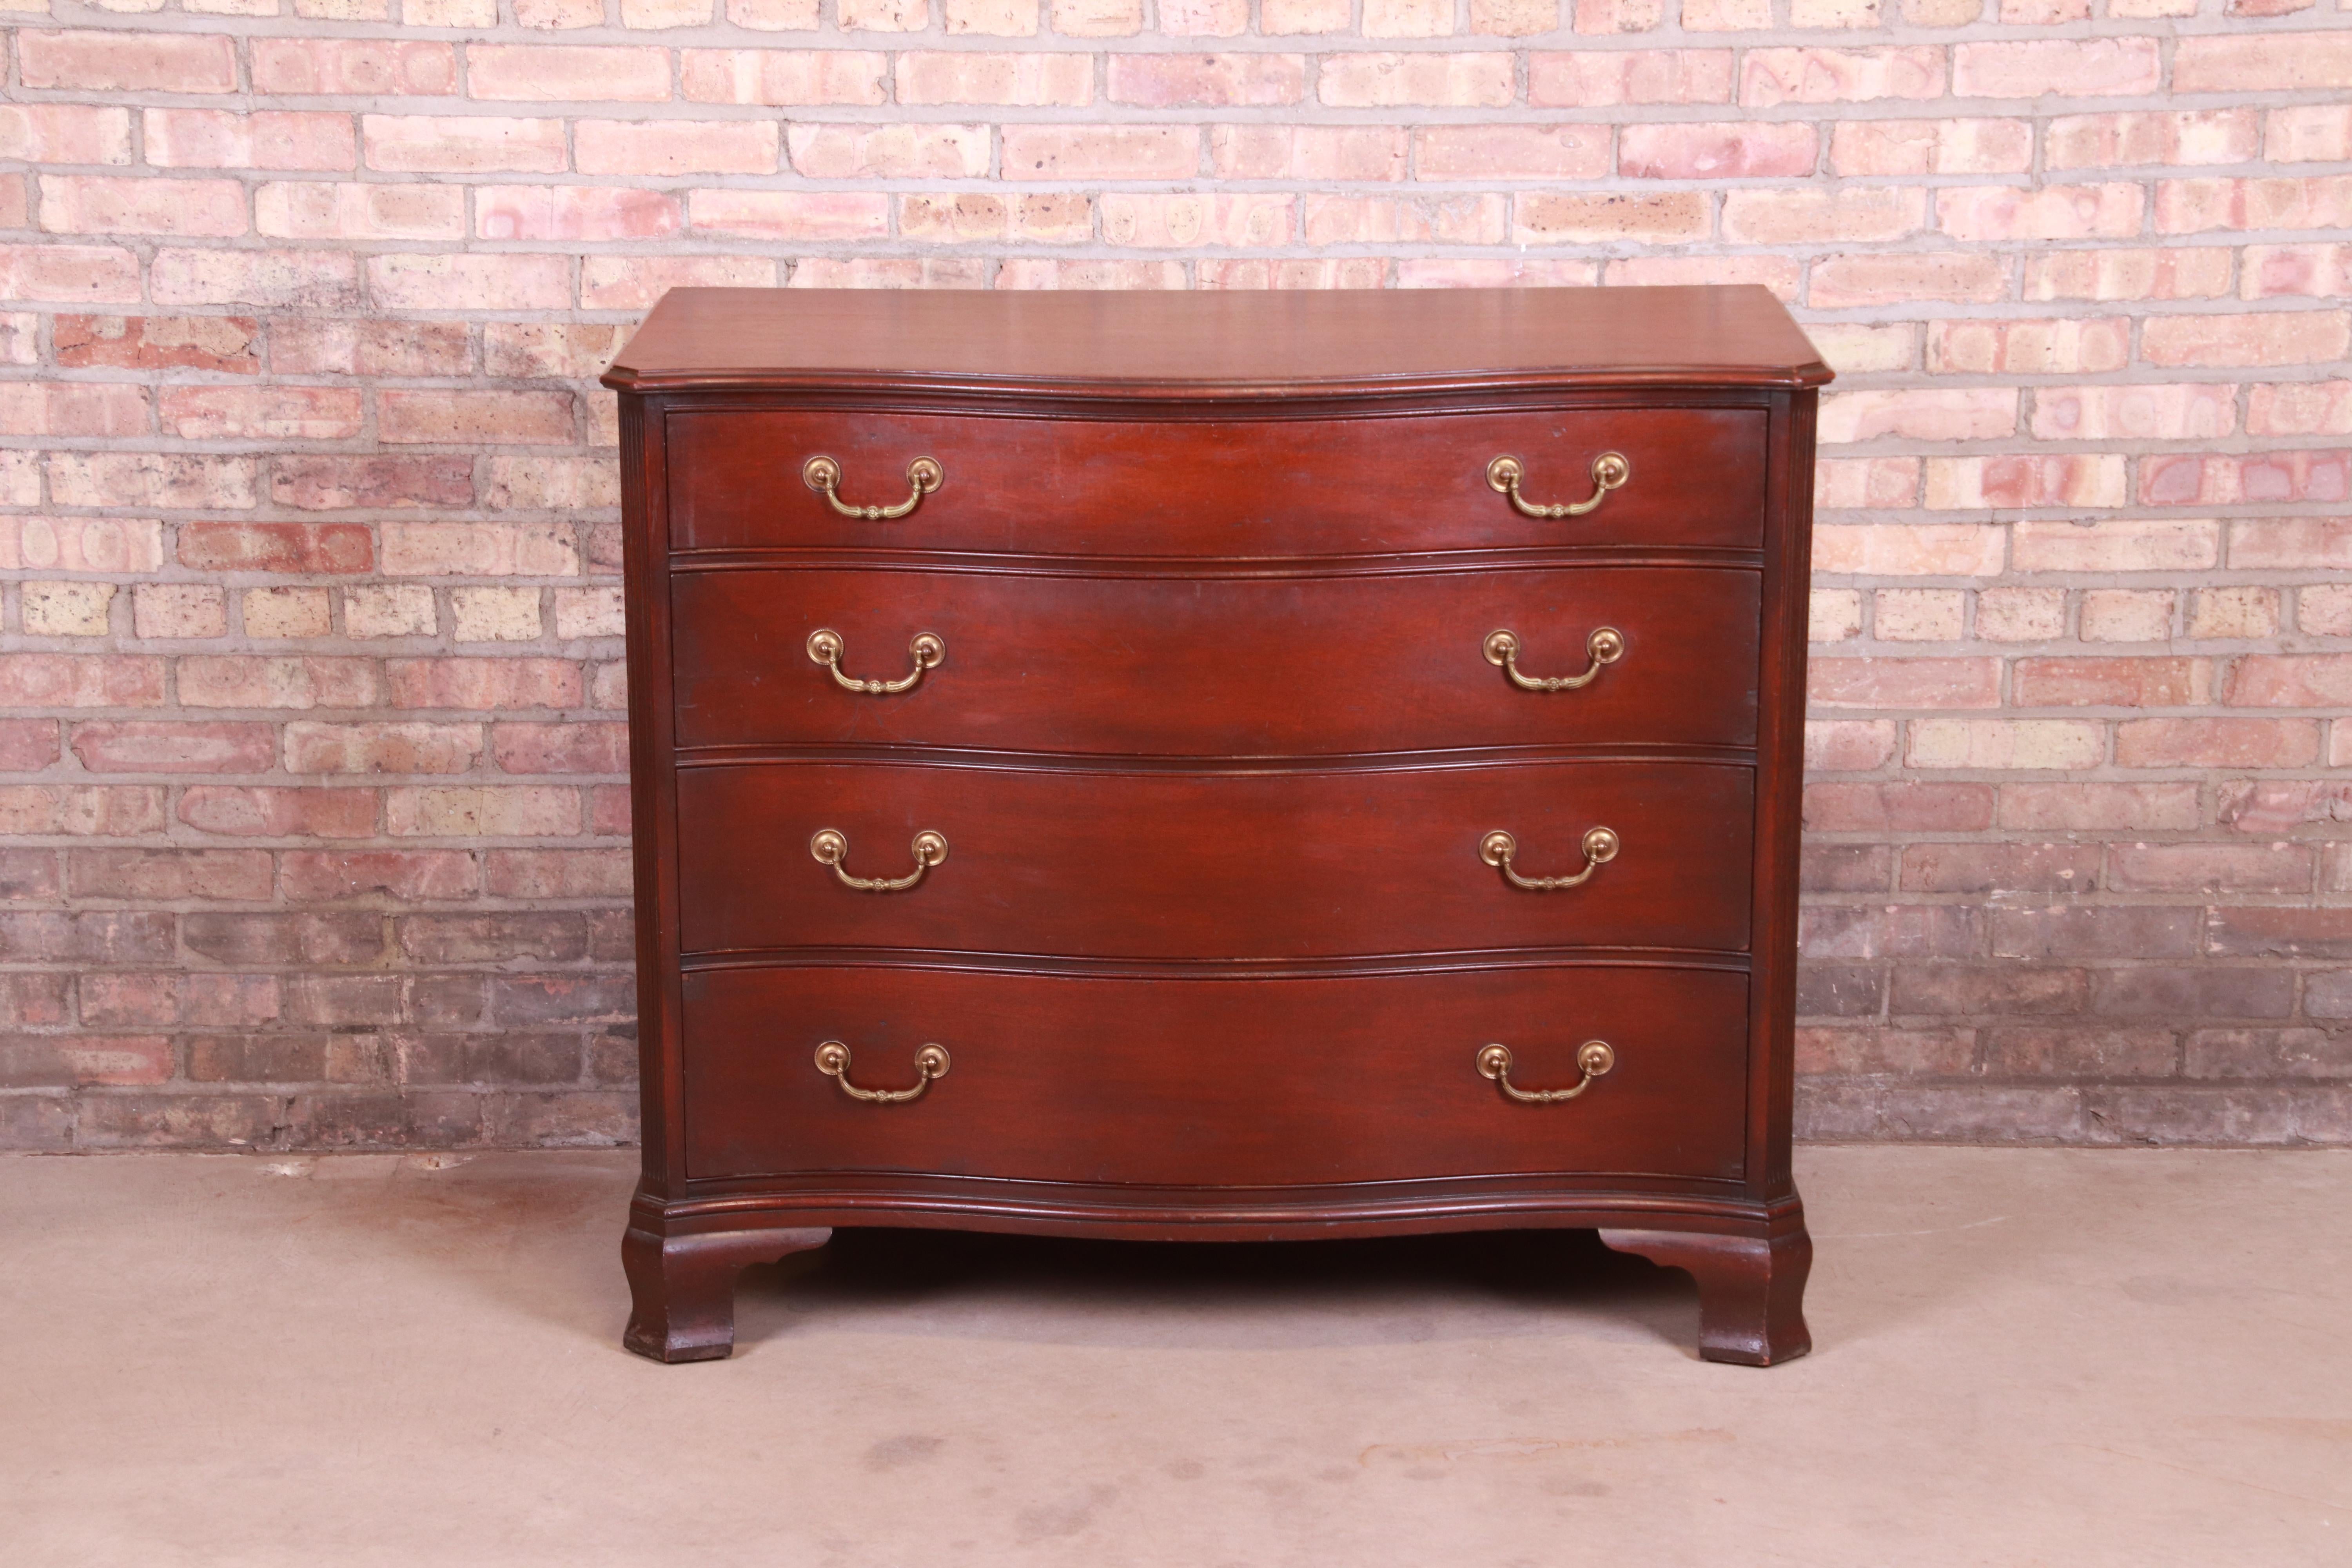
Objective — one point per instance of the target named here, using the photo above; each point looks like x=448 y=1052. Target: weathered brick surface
x=311 y=769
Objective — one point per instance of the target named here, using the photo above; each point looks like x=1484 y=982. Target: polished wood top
x=1215 y=344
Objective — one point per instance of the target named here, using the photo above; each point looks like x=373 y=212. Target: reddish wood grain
x=1219 y=486
x=1223 y=865
x=1264 y=667
x=1266 y=1082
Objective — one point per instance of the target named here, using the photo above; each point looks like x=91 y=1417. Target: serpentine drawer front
x=1217 y=766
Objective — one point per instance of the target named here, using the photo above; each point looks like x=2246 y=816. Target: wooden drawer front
x=1237 y=865
x=1254 y=488
x=1241 y=1082
x=1234 y=667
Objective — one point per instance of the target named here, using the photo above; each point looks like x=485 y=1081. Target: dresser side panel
x=653 y=788
x=1780 y=793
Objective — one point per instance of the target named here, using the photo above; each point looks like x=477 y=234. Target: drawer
x=1229 y=487
x=1264 y=666
x=1228 y=865
x=1223 y=1083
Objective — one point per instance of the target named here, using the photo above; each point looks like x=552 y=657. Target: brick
x=2267 y=1053
x=1099 y=152
x=503 y=281
x=217 y=139
x=1840 y=991
x=1987 y=991
x=81 y=1060
x=546 y=936
x=27 y=745
x=792 y=215
x=2201 y=205
x=1608 y=78
x=2007 y=744
x=563 y=999
x=1378 y=80
x=1522 y=18
x=65 y=609
x=2003 y=213
x=126 y=936
x=279 y=813
x=2308 y=133
x=1777 y=273
x=1771 y=77
x=127 y=61
x=2099 y=806
x=2152 y=136
x=106 y=811
x=2006 y=868
x=1185 y=221
x=480 y=550
x=2020 y=614
x=81 y=680
x=482 y=684
x=2248 y=338
x=299 y=347
x=2025 y=480
x=461 y=144
x=376 y=747
x=2291 y=544
x=2271 y=932
x=1898 y=147
x=1929 y=683
x=569 y=748
x=2279 y=62
x=168 y=874
x=635 y=282
x=1902 y=550
x=260 y=413
x=2127 y=615
x=552 y=349
x=266 y=280
x=303 y=547
x=1848 y=745
x=2275 y=477
x=2217 y=743
x=412 y=811
x=1789 y=217
x=372 y=67
x=888 y=152
x=1904 y=806
x=2289 y=680
x=494 y=615
x=63 y=133
x=2282 y=805
x=1847 y=281
x=1888 y=930
x=488 y=417
x=167 y=746
x=558 y=874
x=2033 y=347
x=2096 y=932
x=1490 y=152
x=1543 y=218
x=563 y=73
x=2168 y=991
x=68 y=274
x=224 y=343
x=2081 y=1052
x=1910 y=1052
x=795 y=76
x=287 y=612
x=408 y=876
x=2111 y=683
x=1010 y=18
x=664 y=147
x=2177 y=412
x=1865 y=484
x=2319 y=271
x=1207 y=81
x=1198 y=18
x=1699 y=151
x=316 y=210
x=2091 y=68
x=1972 y=414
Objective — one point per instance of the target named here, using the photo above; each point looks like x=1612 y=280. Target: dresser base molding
x=682 y=1281
x=1751 y=1290
x=1749 y=1260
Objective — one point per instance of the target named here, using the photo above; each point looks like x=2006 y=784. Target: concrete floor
x=2026 y=1357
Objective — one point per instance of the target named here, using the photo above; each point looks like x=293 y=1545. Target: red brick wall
x=310 y=776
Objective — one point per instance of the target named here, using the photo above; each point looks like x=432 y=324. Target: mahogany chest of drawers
x=1217 y=766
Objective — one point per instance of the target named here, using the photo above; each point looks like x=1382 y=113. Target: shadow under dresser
x=1217 y=766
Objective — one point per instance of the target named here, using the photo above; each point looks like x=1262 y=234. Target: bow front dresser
x=1217 y=766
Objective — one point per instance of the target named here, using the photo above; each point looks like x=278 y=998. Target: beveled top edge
x=1191 y=345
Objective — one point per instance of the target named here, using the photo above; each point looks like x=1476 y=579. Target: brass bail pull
x=830 y=846
x=1605 y=646
x=930 y=1063
x=1593 y=1060
x=1609 y=470
x=1499 y=848
x=824 y=647
x=822 y=475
